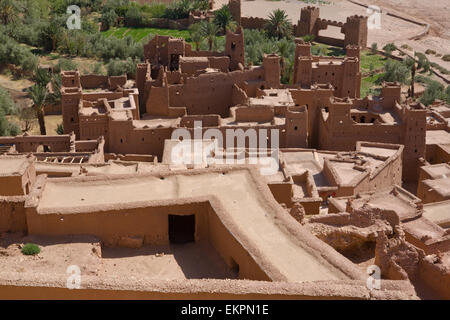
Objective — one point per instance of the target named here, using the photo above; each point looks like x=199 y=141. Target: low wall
x=253 y=23
x=14 y=286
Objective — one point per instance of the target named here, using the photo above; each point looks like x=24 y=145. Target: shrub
x=308 y=38
x=59 y=129
x=406 y=47
x=65 y=65
x=430 y=51
x=446 y=57
x=7 y=105
x=108 y=19
x=178 y=10
x=374 y=47
x=13 y=53
x=118 y=67
x=30 y=249
x=389 y=48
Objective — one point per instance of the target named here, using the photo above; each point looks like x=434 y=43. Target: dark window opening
x=174 y=62
x=326 y=109
x=372 y=120
x=233 y=45
x=181 y=228
x=363 y=119
x=295 y=128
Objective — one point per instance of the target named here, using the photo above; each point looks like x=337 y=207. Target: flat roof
x=11 y=166
x=437 y=137
x=237 y=192
x=438 y=212
x=441 y=186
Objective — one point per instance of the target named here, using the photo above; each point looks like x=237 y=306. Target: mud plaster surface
x=238 y=195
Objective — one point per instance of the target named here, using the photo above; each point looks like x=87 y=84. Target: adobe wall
x=253 y=23
x=26 y=143
x=343 y=136
x=12 y=214
x=355 y=28
x=12 y=185
x=282 y=192
x=125 y=139
x=430 y=194
x=54 y=287
x=149 y=222
x=435 y=275
x=210 y=93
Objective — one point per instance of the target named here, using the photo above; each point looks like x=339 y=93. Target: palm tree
x=224 y=19
x=209 y=30
x=38 y=93
x=196 y=35
x=284 y=48
x=278 y=25
x=9 y=10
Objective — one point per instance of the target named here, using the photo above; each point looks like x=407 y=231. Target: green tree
x=224 y=19
x=434 y=91
x=285 y=50
x=395 y=71
x=209 y=30
x=38 y=94
x=9 y=11
x=51 y=33
x=196 y=35
x=108 y=19
x=278 y=25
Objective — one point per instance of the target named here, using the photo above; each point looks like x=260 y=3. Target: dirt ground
x=435 y=12
x=183 y=261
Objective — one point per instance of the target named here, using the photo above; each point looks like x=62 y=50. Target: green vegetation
x=446 y=57
x=374 y=47
x=118 y=67
x=59 y=129
x=278 y=25
x=140 y=34
x=434 y=91
x=369 y=85
x=30 y=249
x=370 y=60
x=224 y=20
x=7 y=107
x=389 y=48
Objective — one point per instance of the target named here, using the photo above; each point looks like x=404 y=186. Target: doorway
x=181 y=229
